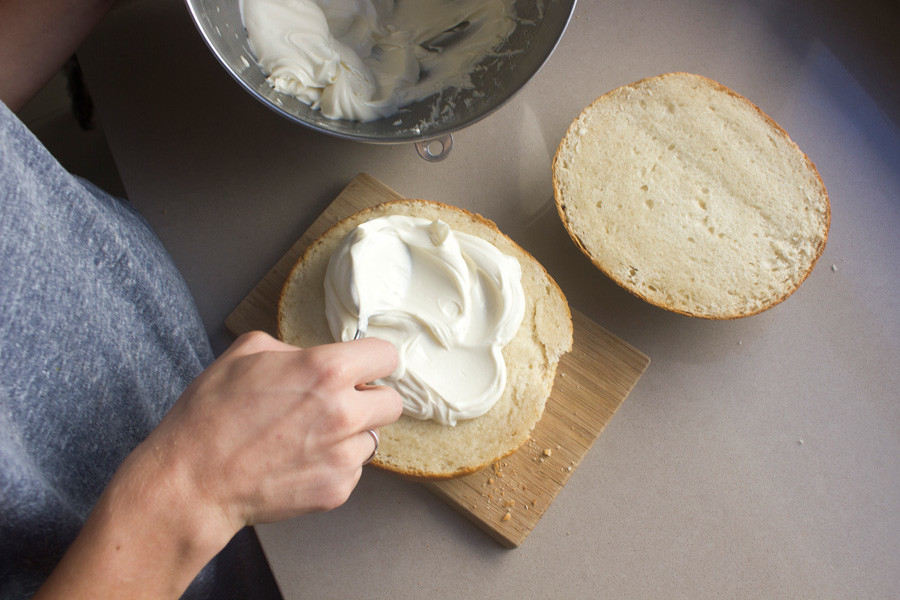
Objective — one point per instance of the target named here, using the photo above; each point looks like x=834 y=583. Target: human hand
x=270 y=431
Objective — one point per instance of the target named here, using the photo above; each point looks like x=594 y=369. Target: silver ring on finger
x=374 y=435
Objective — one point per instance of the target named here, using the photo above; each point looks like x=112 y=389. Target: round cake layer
x=426 y=449
x=690 y=197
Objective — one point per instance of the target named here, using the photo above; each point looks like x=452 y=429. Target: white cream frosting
x=447 y=300
x=364 y=59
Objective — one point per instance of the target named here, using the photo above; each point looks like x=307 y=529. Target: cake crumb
x=547 y=451
x=491 y=480
x=506 y=517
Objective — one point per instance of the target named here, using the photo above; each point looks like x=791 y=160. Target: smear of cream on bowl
x=365 y=59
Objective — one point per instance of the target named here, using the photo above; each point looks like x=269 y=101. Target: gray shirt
x=99 y=335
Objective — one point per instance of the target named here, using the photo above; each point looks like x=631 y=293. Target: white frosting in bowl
x=449 y=301
x=364 y=59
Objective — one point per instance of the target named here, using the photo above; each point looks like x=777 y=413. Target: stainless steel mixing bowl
x=427 y=123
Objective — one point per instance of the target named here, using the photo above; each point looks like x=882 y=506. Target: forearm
x=36 y=38
x=148 y=537
x=267 y=432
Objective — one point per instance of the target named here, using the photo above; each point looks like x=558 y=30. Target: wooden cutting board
x=507 y=499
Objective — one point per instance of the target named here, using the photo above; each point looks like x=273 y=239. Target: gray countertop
x=755 y=458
